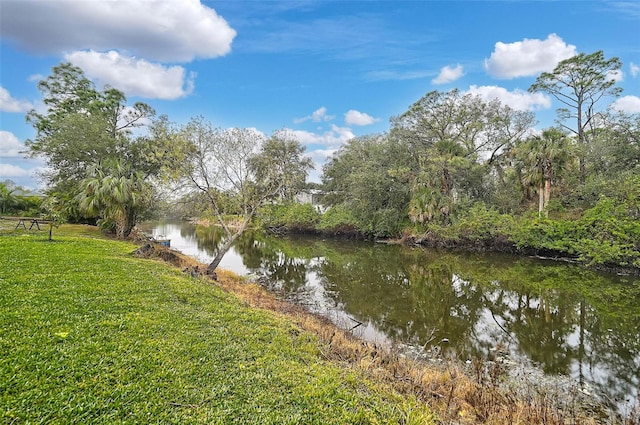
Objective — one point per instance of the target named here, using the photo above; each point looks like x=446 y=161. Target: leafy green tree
x=54 y=212
x=580 y=83
x=615 y=147
x=68 y=91
x=241 y=163
x=117 y=194
x=81 y=127
x=281 y=170
x=454 y=140
x=363 y=177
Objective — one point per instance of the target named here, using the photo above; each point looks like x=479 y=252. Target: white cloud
x=627 y=104
x=321 y=146
x=354 y=117
x=331 y=138
x=16 y=166
x=318 y=115
x=9 y=104
x=320 y=156
x=135 y=77
x=321 y=115
x=634 y=69
x=391 y=75
x=10 y=171
x=10 y=146
x=448 y=74
x=23 y=173
x=528 y=57
x=163 y=30
x=617 y=75
x=517 y=99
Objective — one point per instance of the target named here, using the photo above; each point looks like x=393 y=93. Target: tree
x=280 y=169
x=97 y=167
x=68 y=91
x=18 y=200
x=81 y=127
x=8 y=197
x=241 y=163
x=116 y=193
x=367 y=177
x=454 y=139
x=615 y=147
x=53 y=212
x=580 y=83
x=541 y=159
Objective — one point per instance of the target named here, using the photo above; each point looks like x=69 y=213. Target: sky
x=327 y=71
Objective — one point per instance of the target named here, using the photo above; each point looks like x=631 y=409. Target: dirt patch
x=176 y=259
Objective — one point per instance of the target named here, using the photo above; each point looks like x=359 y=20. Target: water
x=561 y=319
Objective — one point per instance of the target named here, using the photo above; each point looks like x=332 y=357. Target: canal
x=560 y=319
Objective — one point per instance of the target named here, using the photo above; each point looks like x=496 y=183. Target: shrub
x=292 y=216
x=608 y=234
x=605 y=235
x=480 y=223
x=386 y=223
x=338 y=220
x=545 y=234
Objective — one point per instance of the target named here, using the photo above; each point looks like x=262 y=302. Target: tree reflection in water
x=563 y=319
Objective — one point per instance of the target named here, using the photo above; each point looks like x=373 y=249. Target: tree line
x=458 y=171
x=452 y=169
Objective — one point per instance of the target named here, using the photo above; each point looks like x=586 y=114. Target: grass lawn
x=91 y=334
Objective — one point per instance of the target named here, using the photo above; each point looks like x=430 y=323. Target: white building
x=313 y=197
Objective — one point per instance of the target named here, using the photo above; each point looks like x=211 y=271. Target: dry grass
x=459 y=394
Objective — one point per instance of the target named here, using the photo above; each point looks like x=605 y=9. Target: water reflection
x=564 y=319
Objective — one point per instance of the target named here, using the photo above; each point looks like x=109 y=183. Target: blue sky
x=325 y=70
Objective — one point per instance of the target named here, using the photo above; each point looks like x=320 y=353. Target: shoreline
x=498 y=245
x=502 y=246
x=453 y=388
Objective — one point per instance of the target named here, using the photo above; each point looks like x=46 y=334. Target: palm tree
x=8 y=198
x=116 y=194
x=540 y=160
x=428 y=204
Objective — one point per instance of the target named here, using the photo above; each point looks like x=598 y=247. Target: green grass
x=91 y=334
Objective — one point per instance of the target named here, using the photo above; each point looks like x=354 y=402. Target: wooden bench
x=22 y=221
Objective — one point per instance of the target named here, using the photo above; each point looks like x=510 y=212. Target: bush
x=338 y=220
x=545 y=234
x=608 y=234
x=480 y=223
x=386 y=223
x=292 y=216
x=605 y=235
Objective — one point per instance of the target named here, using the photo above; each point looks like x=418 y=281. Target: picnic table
x=23 y=221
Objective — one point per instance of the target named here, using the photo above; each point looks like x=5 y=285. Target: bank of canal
x=555 y=318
